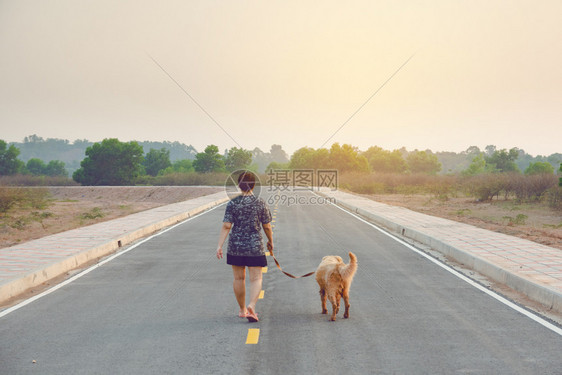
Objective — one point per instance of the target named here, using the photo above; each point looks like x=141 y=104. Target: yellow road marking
x=267 y=253
x=253 y=336
x=264 y=270
x=261 y=294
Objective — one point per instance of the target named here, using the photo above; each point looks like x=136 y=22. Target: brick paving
x=30 y=258
x=517 y=258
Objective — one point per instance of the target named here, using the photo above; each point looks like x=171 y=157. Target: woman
x=244 y=215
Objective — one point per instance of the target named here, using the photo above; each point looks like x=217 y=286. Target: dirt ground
x=72 y=207
x=75 y=206
x=532 y=221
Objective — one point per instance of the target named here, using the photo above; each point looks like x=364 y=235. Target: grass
x=18 y=205
x=553 y=226
x=463 y=212
x=520 y=219
x=12 y=197
x=93 y=214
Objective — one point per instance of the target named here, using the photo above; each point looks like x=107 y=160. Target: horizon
x=289 y=153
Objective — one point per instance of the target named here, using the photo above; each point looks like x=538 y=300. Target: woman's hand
x=270 y=246
x=219 y=253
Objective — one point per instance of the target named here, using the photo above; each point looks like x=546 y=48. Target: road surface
x=167 y=307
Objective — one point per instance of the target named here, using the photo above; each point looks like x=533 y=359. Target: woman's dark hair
x=246 y=181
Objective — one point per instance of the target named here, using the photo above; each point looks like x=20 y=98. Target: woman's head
x=246 y=181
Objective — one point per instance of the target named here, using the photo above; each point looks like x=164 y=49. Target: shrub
x=539 y=167
x=533 y=186
x=486 y=186
x=94 y=213
x=31 y=197
x=29 y=180
x=9 y=197
x=518 y=220
x=396 y=183
x=554 y=196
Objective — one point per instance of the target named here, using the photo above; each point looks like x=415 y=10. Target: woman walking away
x=245 y=215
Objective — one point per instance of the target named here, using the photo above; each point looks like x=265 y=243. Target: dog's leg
x=332 y=299
x=338 y=299
x=323 y=298
x=345 y=296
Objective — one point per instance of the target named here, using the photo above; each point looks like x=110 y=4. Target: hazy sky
x=285 y=72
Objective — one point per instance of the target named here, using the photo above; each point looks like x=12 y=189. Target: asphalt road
x=167 y=307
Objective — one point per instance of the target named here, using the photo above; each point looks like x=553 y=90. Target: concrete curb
x=540 y=293
x=15 y=287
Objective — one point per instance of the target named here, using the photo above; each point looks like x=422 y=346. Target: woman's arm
x=222 y=237
x=269 y=233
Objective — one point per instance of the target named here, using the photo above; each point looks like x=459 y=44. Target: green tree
x=277 y=154
x=503 y=160
x=56 y=168
x=478 y=166
x=9 y=162
x=490 y=150
x=110 y=162
x=309 y=158
x=209 y=161
x=156 y=160
x=302 y=158
x=540 y=167
x=35 y=166
x=237 y=158
x=384 y=161
x=275 y=165
x=423 y=162
x=346 y=158
x=179 y=166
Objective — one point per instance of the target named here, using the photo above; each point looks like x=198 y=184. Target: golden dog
x=334 y=278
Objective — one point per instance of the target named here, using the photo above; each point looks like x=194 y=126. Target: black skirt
x=246 y=261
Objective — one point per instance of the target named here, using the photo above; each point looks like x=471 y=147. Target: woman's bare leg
x=239 y=286
x=255 y=286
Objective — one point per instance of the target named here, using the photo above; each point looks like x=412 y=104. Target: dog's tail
x=349 y=270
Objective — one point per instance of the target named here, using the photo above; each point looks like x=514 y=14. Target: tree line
x=10 y=164
x=72 y=153
x=112 y=162
x=473 y=161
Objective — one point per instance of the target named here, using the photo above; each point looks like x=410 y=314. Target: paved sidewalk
x=528 y=267
x=35 y=262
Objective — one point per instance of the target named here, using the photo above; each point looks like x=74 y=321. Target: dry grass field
x=533 y=221
x=30 y=213
x=38 y=212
